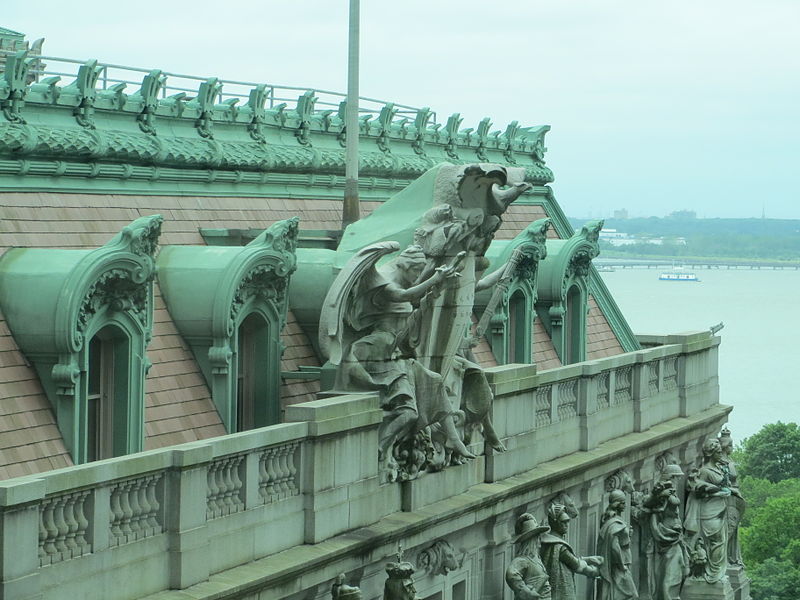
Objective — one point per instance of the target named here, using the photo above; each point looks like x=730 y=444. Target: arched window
x=255 y=406
x=511 y=327
x=107 y=394
x=519 y=337
x=574 y=337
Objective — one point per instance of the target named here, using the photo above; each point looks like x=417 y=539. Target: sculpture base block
x=694 y=589
x=740 y=582
x=451 y=481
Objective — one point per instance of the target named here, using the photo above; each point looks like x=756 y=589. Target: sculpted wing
x=337 y=300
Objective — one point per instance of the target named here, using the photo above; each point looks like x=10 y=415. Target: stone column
x=19 y=539
x=185 y=516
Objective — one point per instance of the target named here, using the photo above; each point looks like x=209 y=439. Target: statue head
x=726 y=441
x=558 y=518
x=528 y=532
x=617 y=500
x=411 y=262
x=341 y=591
x=712 y=449
x=400 y=585
x=671 y=473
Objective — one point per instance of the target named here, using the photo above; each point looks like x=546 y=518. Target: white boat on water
x=678 y=274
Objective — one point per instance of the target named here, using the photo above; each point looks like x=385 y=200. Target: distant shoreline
x=625 y=260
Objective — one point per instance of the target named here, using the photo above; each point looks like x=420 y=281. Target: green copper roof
x=10 y=33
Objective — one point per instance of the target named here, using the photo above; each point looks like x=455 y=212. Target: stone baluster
x=567 y=399
x=116 y=513
x=61 y=528
x=127 y=513
x=152 y=500
x=141 y=496
x=65 y=525
x=224 y=493
x=277 y=473
x=72 y=526
x=543 y=400
x=622 y=386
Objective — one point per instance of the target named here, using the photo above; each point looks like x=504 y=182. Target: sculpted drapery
x=401 y=328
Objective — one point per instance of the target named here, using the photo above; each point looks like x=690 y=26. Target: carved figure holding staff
x=400 y=329
x=364 y=330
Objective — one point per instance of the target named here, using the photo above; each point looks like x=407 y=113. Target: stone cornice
x=79 y=131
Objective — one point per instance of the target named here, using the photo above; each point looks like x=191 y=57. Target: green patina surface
x=55 y=301
x=75 y=137
x=211 y=290
x=101 y=139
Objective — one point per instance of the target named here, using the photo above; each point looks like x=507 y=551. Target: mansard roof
x=78 y=163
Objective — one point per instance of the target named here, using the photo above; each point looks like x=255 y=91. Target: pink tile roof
x=178 y=406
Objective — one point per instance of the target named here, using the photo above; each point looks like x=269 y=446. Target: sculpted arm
x=490 y=280
x=515 y=579
x=399 y=294
x=577 y=564
x=705 y=486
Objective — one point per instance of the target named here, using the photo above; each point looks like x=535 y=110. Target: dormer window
x=563 y=293
x=229 y=303
x=84 y=319
x=511 y=327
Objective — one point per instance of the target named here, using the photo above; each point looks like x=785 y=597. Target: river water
x=759 y=358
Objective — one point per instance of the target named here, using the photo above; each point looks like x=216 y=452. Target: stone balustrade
x=184 y=513
x=579 y=406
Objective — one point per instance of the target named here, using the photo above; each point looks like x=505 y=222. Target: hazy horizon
x=654 y=107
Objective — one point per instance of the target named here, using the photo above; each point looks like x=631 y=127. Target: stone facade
x=304 y=505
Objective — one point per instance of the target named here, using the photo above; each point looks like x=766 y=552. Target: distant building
x=621 y=213
x=617 y=238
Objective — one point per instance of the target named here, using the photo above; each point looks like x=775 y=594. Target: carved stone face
x=561 y=525
x=411 y=265
x=616 y=501
x=712 y=448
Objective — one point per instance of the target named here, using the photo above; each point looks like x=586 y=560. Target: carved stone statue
x=373 y=353
x=526 y=575
x=439 y=558
x=400 y=329
x=614 y=545
x=698 y=559
x=400 y=585
x=707 y=510
x=736 y=504
x=668 y=560
x=560 y=560
x=341 y=591
x=640 y=527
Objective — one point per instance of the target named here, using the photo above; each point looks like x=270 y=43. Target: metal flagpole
x=350 y=210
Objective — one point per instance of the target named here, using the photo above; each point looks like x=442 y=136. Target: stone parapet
x=275 y=494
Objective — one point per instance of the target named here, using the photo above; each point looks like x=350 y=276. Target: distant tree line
x=759 y=239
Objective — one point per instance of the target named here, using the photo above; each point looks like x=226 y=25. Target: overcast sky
x=654 y=106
